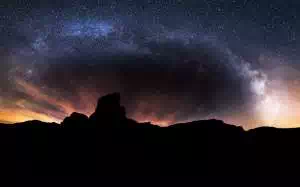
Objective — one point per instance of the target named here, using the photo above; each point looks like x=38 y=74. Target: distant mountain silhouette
x=109 y=143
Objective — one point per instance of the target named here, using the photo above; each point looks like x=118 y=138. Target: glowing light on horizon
x=22 y=115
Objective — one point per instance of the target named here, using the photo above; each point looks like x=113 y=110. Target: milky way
x=172 y=61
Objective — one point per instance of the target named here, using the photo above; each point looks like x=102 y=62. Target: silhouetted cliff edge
x=109 y=143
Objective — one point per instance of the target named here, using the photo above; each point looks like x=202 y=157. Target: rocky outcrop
x=75 y=120
x=109 y=110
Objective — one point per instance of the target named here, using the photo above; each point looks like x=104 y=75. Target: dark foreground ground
x=108 y=143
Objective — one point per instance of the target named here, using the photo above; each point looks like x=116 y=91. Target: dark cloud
x=175 y=80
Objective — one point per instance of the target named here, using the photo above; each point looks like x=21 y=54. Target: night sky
x=172 y=61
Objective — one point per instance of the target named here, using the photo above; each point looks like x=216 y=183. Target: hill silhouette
x=109 y=143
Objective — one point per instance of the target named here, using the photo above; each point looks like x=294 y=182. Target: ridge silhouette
x=109 y=143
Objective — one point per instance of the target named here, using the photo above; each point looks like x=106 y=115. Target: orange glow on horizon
x=21 y=115
x=166 y=121
x=287 y=116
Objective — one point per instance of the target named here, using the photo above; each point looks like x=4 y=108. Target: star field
x=234 y=60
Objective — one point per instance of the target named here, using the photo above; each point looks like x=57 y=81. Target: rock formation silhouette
x=75 y=120
x=109 y=110
x=109 y=143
